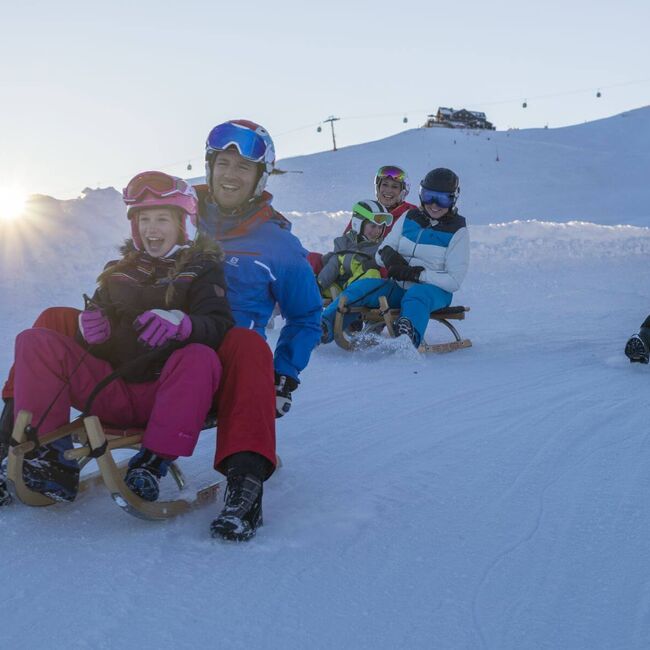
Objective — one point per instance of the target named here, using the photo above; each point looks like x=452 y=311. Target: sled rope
x=32 y=432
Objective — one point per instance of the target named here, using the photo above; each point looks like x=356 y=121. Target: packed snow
x=497 y=497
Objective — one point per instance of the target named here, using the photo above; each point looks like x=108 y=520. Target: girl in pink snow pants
x=157 y=317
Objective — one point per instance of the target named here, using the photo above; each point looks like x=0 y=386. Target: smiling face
x=388 y=193
x=233 y=179
x=435 y=211
x=159 y=230
x=372 y=231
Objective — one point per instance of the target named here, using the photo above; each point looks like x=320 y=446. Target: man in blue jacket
x=265 y=264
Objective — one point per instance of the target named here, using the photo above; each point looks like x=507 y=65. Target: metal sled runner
x=97 y=442
x=374 y=320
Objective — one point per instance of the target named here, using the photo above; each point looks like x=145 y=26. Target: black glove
x=405 y=273
x=284 y=386
x=390 y=257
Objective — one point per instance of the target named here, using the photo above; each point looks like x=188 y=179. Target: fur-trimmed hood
x=201 y=246
x=181 y=260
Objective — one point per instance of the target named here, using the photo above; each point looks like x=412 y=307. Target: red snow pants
x=245 y=400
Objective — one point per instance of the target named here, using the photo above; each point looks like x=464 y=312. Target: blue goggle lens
x=249 y=144
x=443 y=199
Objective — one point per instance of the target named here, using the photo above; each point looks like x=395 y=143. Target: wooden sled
x=374 y=320
x=99 y=443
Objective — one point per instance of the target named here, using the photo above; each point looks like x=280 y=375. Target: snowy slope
x=496 y=497
x=591 y=172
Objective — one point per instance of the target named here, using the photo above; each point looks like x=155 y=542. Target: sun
x=12 y=202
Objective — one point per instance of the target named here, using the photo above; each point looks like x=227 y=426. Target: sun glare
x=12 y=202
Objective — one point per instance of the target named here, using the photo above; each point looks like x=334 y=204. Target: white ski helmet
x=369 y=210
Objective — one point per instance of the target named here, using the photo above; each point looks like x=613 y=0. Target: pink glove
x=159 y=326
x=94 y=326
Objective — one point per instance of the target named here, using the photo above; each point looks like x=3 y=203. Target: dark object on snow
x=6 y=422
x=6 y=427
x=144 y=474
x=284 y=386
x=637 y=349
x=403 y=326
x=242 y=514
x=5 y=495
x=46 y=471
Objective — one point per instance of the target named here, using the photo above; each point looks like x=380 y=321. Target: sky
x=92 y=93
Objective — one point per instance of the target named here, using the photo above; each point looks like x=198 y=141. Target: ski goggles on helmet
x=249 y=144
x=379 y=218
x=442 y=199
x=390 y=171
x=156 y=183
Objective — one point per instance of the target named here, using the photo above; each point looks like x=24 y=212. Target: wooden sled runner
x=98 y=443
x=374 y=320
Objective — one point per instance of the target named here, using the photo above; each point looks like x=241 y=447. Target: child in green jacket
x=353 y=256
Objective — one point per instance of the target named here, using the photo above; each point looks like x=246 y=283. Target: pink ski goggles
x=157 y=183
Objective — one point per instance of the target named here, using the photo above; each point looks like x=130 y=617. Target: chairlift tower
x=331 y=119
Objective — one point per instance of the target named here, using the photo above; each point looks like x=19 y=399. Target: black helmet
x=440 y=180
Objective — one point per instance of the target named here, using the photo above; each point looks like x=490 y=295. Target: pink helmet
x=157 y=189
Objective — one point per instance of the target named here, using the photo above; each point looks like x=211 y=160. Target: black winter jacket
x=191 y=280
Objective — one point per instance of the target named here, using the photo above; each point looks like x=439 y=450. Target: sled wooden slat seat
x=374 y=319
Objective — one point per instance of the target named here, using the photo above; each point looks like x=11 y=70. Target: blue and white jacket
x=265 y=264
x=440 y=246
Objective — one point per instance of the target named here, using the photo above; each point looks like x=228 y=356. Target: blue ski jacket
x=265 y=264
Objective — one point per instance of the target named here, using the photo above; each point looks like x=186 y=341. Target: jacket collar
x=220 y=225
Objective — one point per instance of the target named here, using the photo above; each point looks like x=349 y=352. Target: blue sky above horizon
x=92 y=93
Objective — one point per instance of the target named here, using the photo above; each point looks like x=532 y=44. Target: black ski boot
x=144 y=474
x=637 y=349
x=404 y=327
x=47 y=471
x=242 y=512
x=7 y=421
x=6 y=429
x=325 y=336
x=5 y=495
